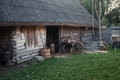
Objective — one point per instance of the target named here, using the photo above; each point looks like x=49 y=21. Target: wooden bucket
x=45 y=53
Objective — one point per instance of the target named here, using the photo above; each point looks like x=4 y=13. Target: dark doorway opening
x=5 y=45
x=52 y=37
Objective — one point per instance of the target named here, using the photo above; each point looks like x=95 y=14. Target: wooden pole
x=93 y=23
x=100 y=21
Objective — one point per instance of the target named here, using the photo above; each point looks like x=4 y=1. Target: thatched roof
x=44 y=11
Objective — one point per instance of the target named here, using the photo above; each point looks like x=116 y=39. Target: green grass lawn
x=97 y=66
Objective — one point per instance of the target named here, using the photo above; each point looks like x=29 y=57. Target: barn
x=26 y=26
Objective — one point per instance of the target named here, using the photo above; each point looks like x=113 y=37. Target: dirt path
x=6 y=70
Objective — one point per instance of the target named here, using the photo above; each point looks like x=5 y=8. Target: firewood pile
x=71 y=45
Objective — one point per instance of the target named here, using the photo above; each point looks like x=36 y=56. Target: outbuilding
x=26 y=26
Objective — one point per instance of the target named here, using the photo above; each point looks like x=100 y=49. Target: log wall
x=29 y=41
x=77 y=33
x=24 y=42
x=80 y=34
x=86 y=34
x=70 y=32
x=7 y=44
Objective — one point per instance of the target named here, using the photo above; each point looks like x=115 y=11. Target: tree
x=110 y=14
x=114 y=16
x=104 y=6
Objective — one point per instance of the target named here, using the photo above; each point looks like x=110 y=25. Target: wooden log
x=27 y=54
x=31 y=50
x=23 y=54
x=23 y=60
x=17 y=51
x=20 y=41
x=20 y=47
x=35 y=54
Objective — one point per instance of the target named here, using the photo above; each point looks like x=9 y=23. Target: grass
x=97 y=66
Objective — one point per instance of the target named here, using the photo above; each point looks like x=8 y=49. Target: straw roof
x=44 y=11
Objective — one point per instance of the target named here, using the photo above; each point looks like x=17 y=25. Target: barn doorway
x=52 y=38
x=5 y=44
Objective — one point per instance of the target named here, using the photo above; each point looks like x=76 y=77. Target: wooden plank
x=40 y=44
x=40 y=35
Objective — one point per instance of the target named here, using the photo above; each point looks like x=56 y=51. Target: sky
x=114 y=4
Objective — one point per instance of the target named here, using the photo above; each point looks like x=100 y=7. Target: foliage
x=97 y=66
x=114 y=16
x=88 y=5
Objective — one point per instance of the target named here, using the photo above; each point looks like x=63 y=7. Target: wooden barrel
x=45 y=53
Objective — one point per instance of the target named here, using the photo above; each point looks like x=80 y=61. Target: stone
x=38 y=58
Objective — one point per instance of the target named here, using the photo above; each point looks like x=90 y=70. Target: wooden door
x=30 y=37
